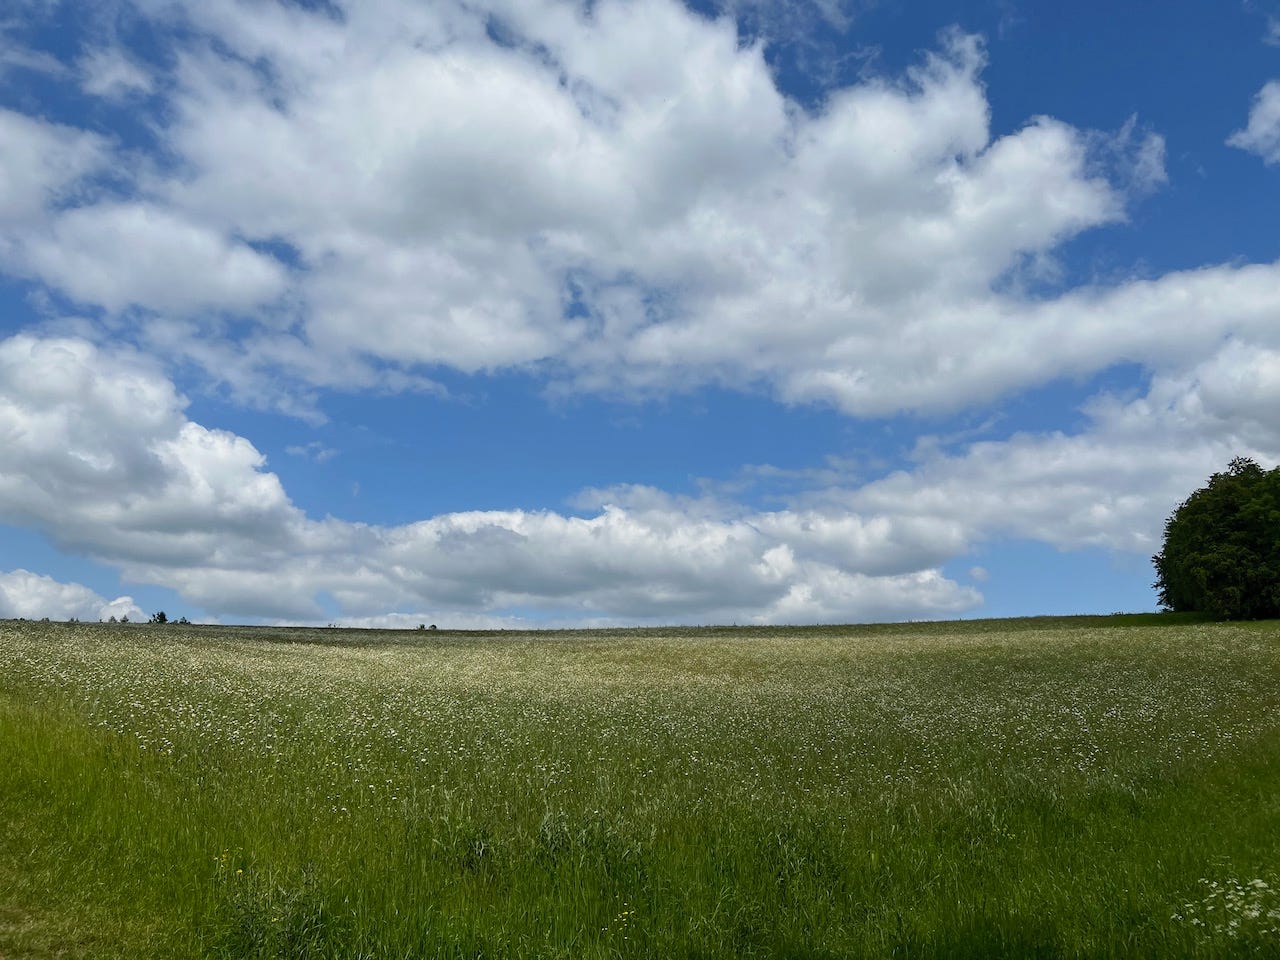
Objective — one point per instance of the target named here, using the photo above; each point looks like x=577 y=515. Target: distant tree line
x=158 y=617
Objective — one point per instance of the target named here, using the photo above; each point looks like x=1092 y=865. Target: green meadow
x=1076 y=787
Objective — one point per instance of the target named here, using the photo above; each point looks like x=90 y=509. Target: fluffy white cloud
x=30 y=595
x=56 y=225
x=1110 y=485
x=665 y=561
x=99 y=453
x=1262 y=134
x=101 y=457
x=121 y=254
x=620 y=194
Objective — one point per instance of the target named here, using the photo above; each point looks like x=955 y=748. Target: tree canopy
x=1221 y=552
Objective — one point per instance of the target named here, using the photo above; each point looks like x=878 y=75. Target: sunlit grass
x=1076 y=787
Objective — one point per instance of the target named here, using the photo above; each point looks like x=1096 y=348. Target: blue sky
x=625 y=312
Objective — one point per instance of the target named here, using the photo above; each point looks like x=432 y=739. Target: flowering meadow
x=1075 y=787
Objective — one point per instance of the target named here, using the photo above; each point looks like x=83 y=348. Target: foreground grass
x=1057 y=788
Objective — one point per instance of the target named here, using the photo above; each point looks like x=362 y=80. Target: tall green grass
x=1056 y=788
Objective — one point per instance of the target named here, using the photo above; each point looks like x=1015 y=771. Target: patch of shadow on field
x=800 y=853
x=982 y=938
x=592 y=846
x=570 y=848
x=261 y=915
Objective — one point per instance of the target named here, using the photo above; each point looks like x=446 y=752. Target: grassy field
x=1084 y=787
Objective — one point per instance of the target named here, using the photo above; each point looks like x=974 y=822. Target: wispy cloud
x=1262 y=134
x=314 y=451
x=110 y=73
x=15 y=56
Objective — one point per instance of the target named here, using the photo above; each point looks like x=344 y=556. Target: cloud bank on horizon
x=220 y=217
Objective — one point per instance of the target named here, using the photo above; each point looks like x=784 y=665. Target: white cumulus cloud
x=618 y=196
x=1112 y=484
x=120 y=254
x=32 y=596
x=102 y=458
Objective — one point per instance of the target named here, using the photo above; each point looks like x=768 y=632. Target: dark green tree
x=1221 y=552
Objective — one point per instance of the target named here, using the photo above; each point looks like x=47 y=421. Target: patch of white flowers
x=658 y=718
x=1236 y=909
